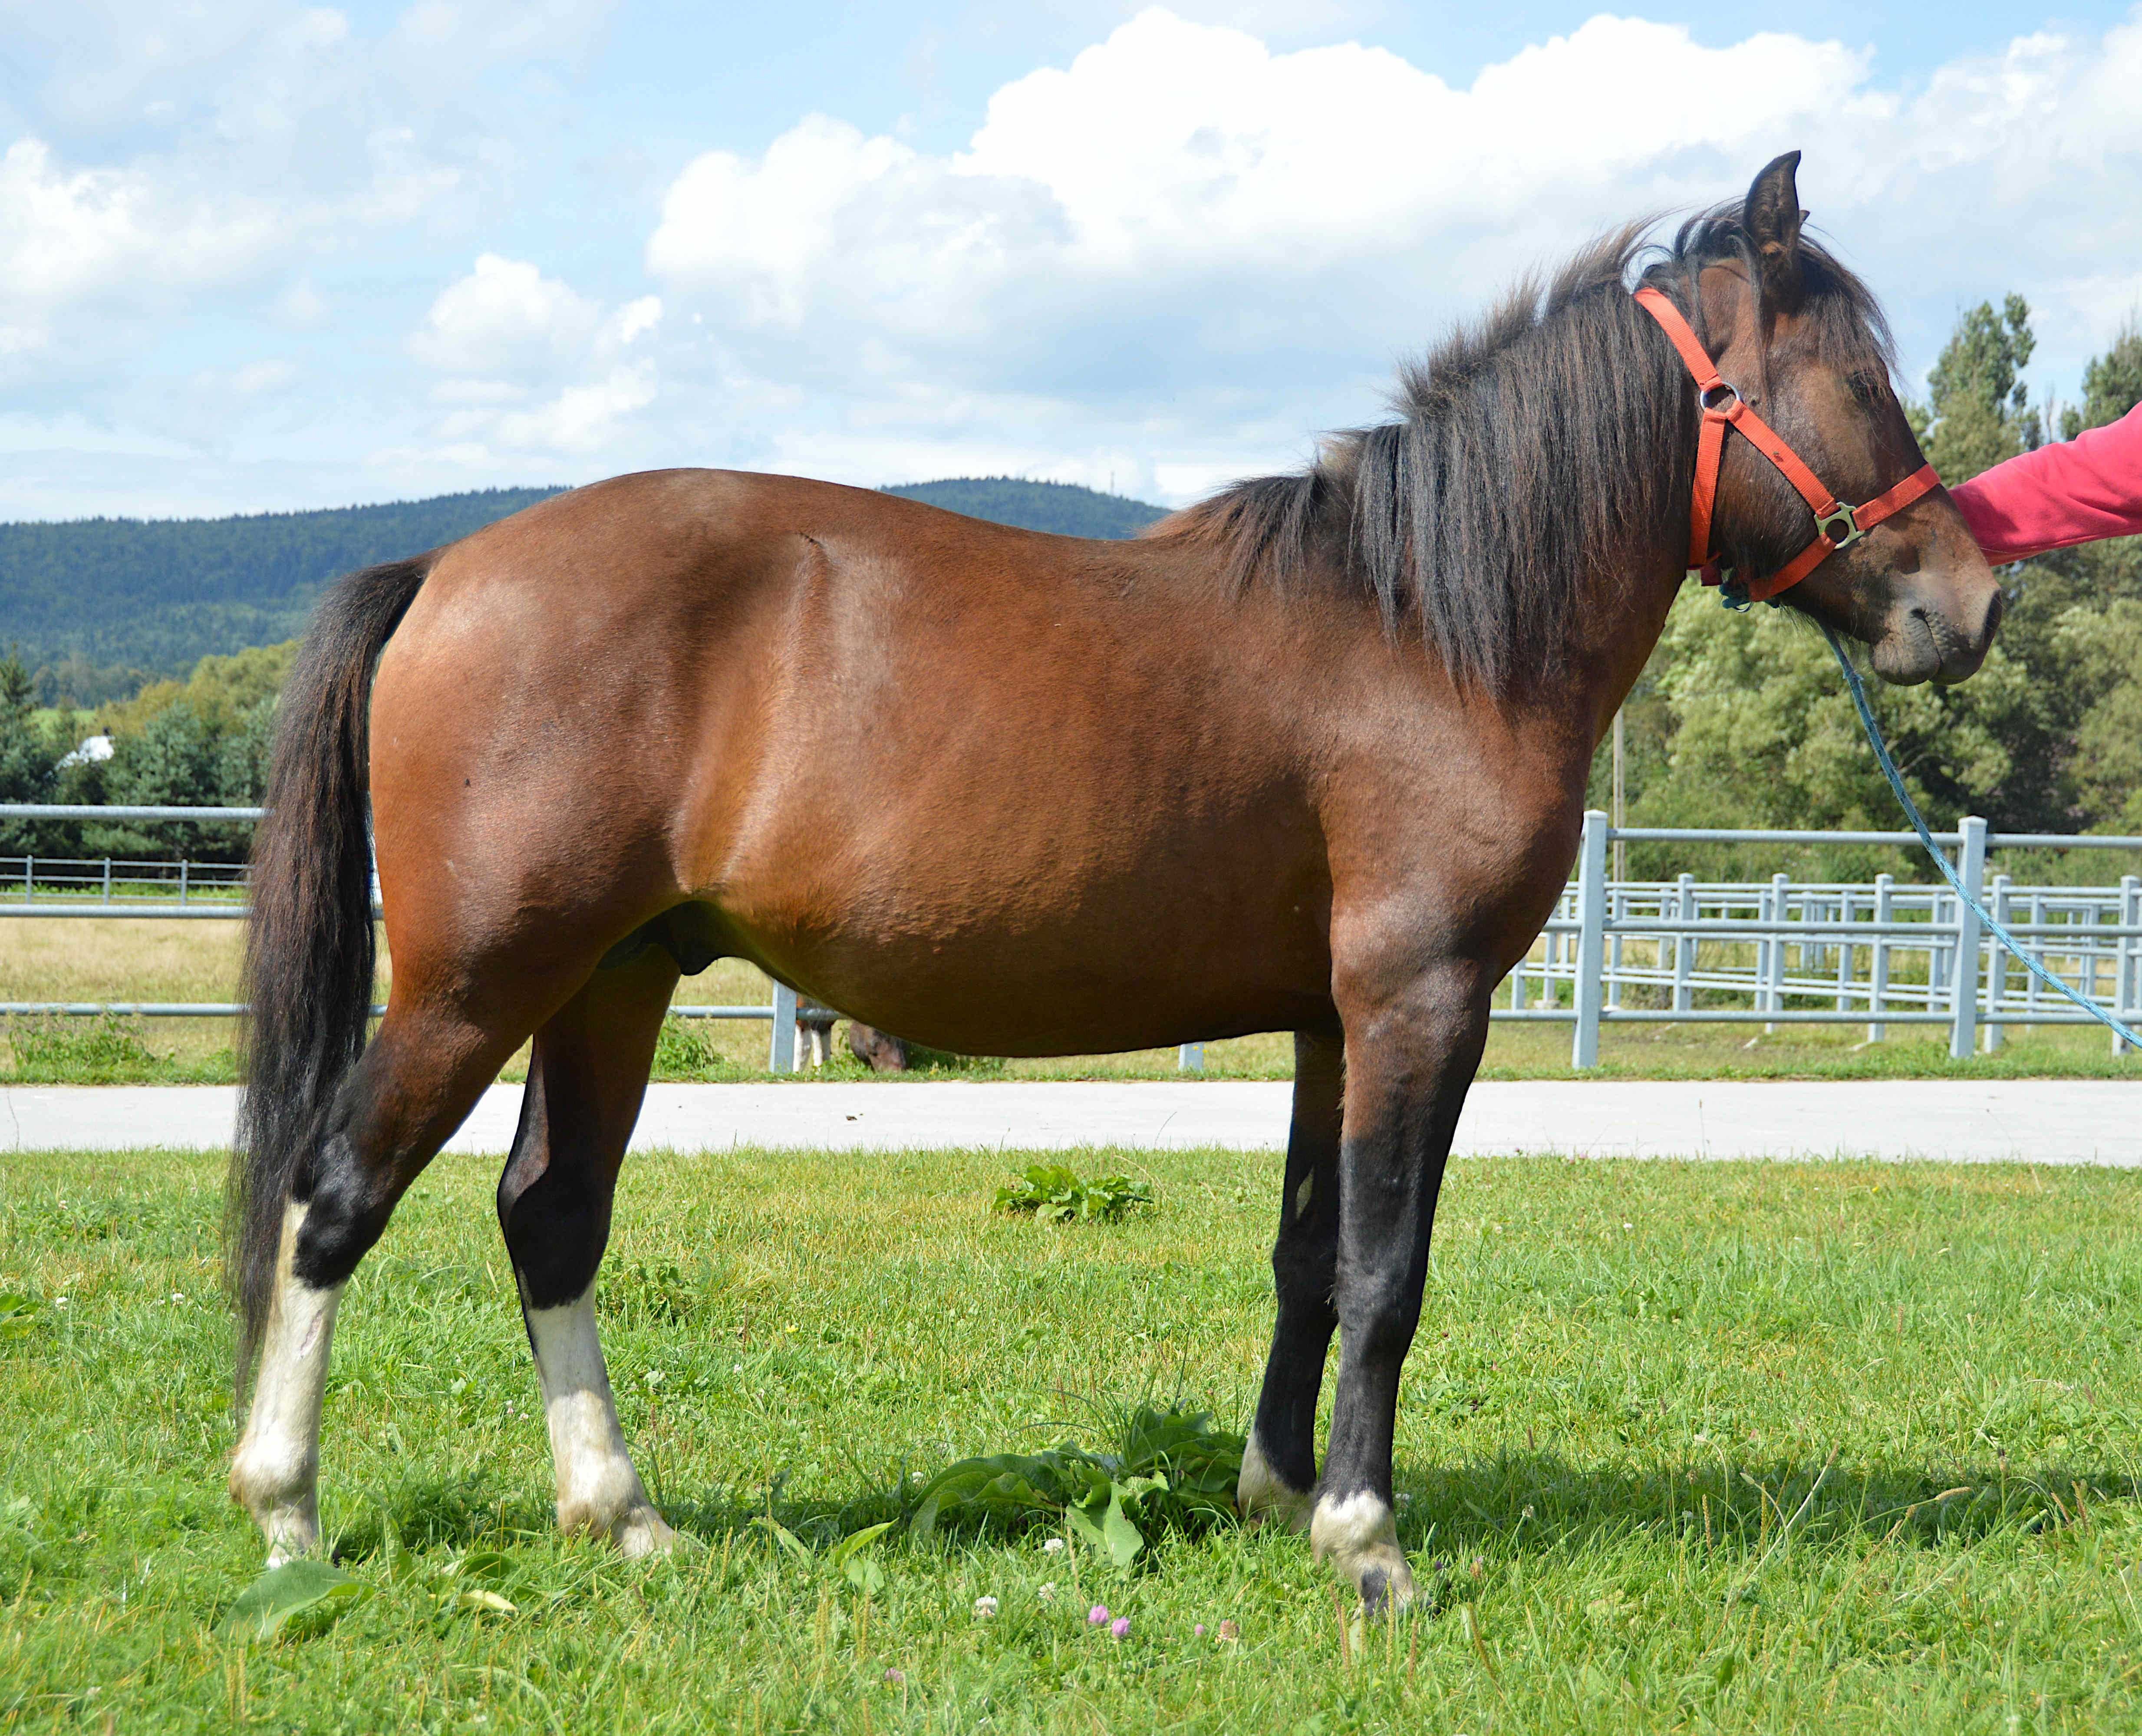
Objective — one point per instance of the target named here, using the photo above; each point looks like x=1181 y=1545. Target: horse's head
x=1807 y=346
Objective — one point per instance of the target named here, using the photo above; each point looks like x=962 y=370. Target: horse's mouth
x=1924 y=645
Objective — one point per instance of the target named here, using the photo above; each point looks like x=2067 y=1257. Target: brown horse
x=1309 y=757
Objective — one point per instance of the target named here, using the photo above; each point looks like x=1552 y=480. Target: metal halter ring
x=1848 y=516
x=1727 y=393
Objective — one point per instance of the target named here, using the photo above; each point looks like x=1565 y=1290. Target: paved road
x=2088 y=1121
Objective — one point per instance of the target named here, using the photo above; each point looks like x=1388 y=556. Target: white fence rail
x=1680 y=951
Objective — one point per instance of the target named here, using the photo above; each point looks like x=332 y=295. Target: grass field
x=94 y=960
x=1613 y=1440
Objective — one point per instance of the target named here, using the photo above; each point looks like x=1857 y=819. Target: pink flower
x=1120 y=1628
x=1199 y=1630
x=1097 y=1615
x=894 y=1677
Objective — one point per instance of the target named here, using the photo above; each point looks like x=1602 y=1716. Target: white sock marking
x=598 y=1492
x=1261 y=1493
x=275 y=1474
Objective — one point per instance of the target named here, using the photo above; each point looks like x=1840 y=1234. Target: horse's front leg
x=1412 y=1047
x=1279 y=1460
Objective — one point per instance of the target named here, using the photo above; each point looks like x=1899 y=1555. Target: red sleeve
x=2072 y=491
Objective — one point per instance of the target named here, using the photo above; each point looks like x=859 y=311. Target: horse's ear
x=1772 y=218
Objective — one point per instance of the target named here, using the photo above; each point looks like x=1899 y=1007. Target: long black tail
x=309 y=948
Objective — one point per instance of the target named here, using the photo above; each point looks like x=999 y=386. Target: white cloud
x=536 y=367
x=1187 y=235
x=504 y=318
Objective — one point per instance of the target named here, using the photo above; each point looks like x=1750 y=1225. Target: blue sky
x=258 y=254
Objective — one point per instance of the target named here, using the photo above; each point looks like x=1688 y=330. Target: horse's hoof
x=1359 y=1535
x=642 y=1532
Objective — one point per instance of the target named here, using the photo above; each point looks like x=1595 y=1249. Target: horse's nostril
x=1994 y=610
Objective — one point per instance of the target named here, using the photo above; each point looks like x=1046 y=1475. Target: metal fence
x=1769 y=953
x=58 y=886
x=1781 y=953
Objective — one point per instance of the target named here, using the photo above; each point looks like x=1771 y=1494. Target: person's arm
x=2073 y=491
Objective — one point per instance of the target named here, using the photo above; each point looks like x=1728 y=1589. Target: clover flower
x=1047 y=1593
x=1052 y=1546
x=985 y=1608
x=1120 y=1628
x=1096 y=1616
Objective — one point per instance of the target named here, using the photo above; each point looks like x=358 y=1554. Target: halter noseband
x=1837 y=526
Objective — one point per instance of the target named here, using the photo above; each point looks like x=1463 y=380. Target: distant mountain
x=1063 y=508
x=158 y=594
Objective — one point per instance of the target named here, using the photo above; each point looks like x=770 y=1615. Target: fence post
x=1963 y=990
x=1190 y=1058
x=1996 y=969
x=1591 y=939
x=1878 y=987
x=2127 y=972
x=1847 y=909
x=1775 y=974
x=780 y=1057
x=1685 y=945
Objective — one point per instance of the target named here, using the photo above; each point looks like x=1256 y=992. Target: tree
x=29 y=753
x=1977 y=411
x=2111 y=385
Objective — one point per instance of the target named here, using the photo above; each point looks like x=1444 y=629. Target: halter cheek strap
x=1837 y=526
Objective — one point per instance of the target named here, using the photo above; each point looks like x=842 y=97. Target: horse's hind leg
x=1278 y=1461
x=421 y=1073
x=585 y=1081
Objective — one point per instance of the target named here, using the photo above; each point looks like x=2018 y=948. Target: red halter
x=1837 y=526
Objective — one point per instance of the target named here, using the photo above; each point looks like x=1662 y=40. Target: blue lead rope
x=1993 y=923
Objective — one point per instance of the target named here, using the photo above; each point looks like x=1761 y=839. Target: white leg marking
x=1359 y=1538
x=598 y=1492
x=1261 y=1495
x=275 y=1474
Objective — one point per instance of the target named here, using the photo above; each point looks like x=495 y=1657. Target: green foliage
x=2103 y=648
x=316 y=1590
x=684 y=1050
x=162 y=593
x=1978 y=409
x=1054 y=1193
x=1171 y=1469
x=1061 y=508
x=30 y=747
x=59 y=1050
x=2111 y=385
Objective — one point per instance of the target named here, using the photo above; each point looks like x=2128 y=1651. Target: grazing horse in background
x=1308 y=756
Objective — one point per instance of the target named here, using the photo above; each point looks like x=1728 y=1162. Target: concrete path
x=2085 y=1121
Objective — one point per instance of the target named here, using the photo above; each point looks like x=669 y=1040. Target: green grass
x=1628 y=1381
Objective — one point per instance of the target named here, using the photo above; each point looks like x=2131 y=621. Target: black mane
x=1538 y=459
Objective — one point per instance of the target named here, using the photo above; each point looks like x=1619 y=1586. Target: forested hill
x=1063 y=508
x=97 y=595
